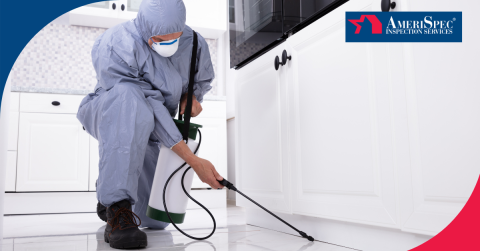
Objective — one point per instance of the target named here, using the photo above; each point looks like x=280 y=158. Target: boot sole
x=126 y=244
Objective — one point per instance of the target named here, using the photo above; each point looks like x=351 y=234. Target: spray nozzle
x=304 y=235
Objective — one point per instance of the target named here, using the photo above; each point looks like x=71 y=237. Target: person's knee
x=133 y=95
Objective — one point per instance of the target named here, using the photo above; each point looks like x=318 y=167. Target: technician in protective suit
x=142 y=70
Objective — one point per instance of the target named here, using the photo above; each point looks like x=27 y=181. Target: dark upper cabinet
x=259 y=25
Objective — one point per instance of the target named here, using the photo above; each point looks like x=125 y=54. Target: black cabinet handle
x=55 y=103
x=277 y=63
x=114 y=6
x=122 y=7
x=387 y=4
x=285 y=57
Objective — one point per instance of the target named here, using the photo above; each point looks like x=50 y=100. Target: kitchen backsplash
x=58 y=57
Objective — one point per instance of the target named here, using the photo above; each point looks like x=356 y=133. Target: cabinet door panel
x=442 y=93
x=260 y=162
x=341 y=123
x=52 y=153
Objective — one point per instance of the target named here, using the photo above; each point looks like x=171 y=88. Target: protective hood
x=160 y=17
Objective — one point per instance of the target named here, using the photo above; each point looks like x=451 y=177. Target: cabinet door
x=341 y=123
x=52 y=153
x=442 y=91
x=261 y=156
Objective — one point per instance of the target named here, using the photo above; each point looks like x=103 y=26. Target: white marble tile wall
x=58 y=57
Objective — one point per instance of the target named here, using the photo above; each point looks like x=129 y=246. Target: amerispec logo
x=403 y=27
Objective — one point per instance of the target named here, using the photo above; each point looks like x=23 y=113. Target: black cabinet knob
x=55 y=103
x=122 y=7
x=285 y=57
x=387 y=4
x=277 y=63
x=114 y=6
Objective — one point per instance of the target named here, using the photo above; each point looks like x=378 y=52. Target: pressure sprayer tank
x=176 y=200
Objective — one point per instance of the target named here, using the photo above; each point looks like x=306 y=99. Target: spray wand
x=230 y=186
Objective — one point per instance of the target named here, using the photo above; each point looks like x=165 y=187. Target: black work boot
x=101 y=211
x=122 y=227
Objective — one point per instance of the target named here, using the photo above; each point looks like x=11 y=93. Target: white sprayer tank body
x=168 y=162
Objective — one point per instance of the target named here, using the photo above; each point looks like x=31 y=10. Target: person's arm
x=204 y=169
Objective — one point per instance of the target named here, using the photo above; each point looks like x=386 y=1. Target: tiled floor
x=81 y=232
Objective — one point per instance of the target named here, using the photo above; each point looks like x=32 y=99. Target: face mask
x=166 y=48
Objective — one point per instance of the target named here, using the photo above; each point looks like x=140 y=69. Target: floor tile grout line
x=302 y=237
x=92 y=233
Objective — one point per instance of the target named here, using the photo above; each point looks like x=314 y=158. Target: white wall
x=5 y=108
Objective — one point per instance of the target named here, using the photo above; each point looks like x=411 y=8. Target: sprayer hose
x=186 y=193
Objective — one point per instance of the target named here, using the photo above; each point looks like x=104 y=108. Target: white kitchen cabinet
x=340 y=128
x=52 y=153
x=378 y=134
x=261 y=153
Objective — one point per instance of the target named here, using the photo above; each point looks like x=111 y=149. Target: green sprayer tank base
x=192 y=131
x=162 y=216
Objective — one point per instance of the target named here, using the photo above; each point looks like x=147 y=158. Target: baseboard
x=86 y=202
x=351 y=235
